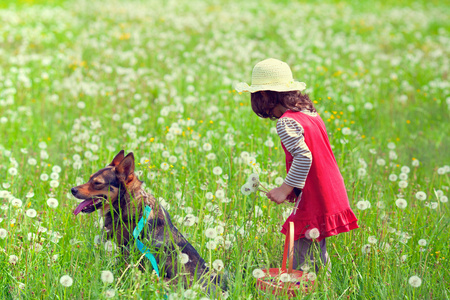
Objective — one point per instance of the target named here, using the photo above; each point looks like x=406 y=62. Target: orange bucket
x=298 y=282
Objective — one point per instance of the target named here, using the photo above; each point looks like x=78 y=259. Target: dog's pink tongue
x=81 y=206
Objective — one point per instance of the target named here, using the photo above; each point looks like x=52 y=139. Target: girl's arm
x=291 y=135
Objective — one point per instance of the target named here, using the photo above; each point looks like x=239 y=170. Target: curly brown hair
x=263 y=102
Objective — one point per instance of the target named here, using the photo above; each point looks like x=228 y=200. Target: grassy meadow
x=81 y=80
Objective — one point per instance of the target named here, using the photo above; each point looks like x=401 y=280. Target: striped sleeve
x=291 y=135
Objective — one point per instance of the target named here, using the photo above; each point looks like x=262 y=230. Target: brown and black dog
x=117 y=192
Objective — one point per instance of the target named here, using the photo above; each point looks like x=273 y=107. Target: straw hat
x=271 y=75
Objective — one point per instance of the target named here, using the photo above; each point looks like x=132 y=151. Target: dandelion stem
x=263 y=187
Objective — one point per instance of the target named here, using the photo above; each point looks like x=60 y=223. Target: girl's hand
x=279 y=194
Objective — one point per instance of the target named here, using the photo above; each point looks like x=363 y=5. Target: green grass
x=90 y=79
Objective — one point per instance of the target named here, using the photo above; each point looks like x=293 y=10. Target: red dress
x=324 y=203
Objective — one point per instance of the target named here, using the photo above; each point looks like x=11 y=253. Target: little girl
x=313 y=179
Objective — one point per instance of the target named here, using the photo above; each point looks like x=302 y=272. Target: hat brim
x=293 y=86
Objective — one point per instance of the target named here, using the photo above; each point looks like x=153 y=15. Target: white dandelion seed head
x=190 y=294
x=403 y=184
x=66 y=280
x=210 y=233
x=227 y=244
x=421 y=196
x=220 y=194
x=81 y=105
x=244 y=155
x=285 y=277
x=269 y=143
x=361 y=205
x=207 y=147
x=211 y=245
x=220 y=229
x=31 y=213
x=37 y=247
x=279 y=180
x=217 y=170
x=415 y=281
x=391 y=145
x=4 y=194
x=54 y=183
x=52 y=203
x=258 y=211
x=107 y=276
x=381 y=162
x=393 y=177
x=110 y=293
x=258 y=273
x=3 y=233
x=13 y=259
x=219 y=239
x=443 y=199
x=403 y=176
x=253 y=178
x=422 y=242
x=381 y=204
x=439 y=193
x=31 y=236
x=12 y=171
x=372 y=239
x=183 y=258
x=306 y=267
x=391 y=229
x=405 y=169
x=218 y=265
x=362 y=172
x=311 y=276
x=312 y=234
x=385 y=246
x=366 y=248
x=56 y=169
x=211 y=156
x=16 y=203
x=441 y=171
x=415 y=163
x=346 y=131
x=393 y=155
x=189 y=220
x=368 y=105
x=403 y=258
x=164 y=166
x=110 y=246
x=401 y=203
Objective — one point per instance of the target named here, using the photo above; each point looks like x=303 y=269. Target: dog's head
x=105 y=186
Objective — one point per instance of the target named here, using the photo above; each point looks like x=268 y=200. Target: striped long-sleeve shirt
x=291 y=135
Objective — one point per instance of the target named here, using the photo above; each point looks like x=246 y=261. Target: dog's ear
x=117 y=159
x=125 y=168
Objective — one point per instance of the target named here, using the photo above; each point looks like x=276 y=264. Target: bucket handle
x=288 y=247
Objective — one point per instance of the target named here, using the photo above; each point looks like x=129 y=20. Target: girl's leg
x=304 y=249
x=301 y=250
x=324 y=255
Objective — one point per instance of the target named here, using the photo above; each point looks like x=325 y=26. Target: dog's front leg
x=166 y=257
